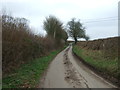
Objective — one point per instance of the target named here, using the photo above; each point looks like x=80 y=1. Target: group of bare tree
x=55 y=29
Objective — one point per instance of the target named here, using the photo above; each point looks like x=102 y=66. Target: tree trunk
x=75 y=40
x=54 y=34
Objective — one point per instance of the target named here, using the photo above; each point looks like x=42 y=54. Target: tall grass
x=108 y=46
x=96 y=59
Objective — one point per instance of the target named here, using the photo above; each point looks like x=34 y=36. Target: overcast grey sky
x=98 y=16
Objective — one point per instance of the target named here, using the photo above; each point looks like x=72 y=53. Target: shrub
x=20 y=45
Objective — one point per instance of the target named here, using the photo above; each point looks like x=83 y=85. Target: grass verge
x=28 y=75
x=108 y=67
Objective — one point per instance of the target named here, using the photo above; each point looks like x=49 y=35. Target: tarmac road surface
x=66 y=71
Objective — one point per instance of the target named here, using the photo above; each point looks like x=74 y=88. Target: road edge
x=105 y=76
x=42 y=78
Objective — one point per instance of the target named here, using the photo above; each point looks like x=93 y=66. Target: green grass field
x=97 y=59
x=28 y=75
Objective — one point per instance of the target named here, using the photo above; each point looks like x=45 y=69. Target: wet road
x=66 y=71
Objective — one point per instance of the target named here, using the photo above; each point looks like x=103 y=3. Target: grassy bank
x=96 y=59
x=28 y=75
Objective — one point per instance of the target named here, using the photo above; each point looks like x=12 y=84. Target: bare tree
x=54 y=29
x=76 y=30
x=87 y=37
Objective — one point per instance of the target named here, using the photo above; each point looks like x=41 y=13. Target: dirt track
x=65 y=71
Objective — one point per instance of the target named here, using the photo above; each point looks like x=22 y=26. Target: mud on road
x=71 y=75
x=66 y=71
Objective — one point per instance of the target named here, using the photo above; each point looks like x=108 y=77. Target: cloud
x=37 y=10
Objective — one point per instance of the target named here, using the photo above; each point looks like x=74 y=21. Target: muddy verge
x=109 y=78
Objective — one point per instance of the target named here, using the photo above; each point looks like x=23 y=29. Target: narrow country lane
x=65 y=71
